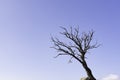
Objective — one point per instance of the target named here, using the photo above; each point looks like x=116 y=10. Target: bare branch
x=60 y=55
x=70 y=61
x=64 y=48
x=77 y=47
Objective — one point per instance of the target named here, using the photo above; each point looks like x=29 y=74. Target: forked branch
x=78 y=46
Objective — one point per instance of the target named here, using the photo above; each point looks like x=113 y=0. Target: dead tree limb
x=78 y=47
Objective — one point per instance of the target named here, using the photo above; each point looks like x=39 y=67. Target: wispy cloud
x=111 y=77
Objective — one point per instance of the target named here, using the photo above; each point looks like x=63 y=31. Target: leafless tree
x=77 y=48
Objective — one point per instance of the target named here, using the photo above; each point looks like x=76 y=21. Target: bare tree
x=77 y=48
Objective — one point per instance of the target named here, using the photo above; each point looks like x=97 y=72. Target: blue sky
x=25 y=29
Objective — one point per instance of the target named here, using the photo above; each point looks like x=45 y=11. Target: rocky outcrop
x=84 y=78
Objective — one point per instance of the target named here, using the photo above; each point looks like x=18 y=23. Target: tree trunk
x=88 y=71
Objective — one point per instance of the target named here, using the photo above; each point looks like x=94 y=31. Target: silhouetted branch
x=77 y=47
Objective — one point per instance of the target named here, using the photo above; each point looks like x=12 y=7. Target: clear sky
x=25 y=29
